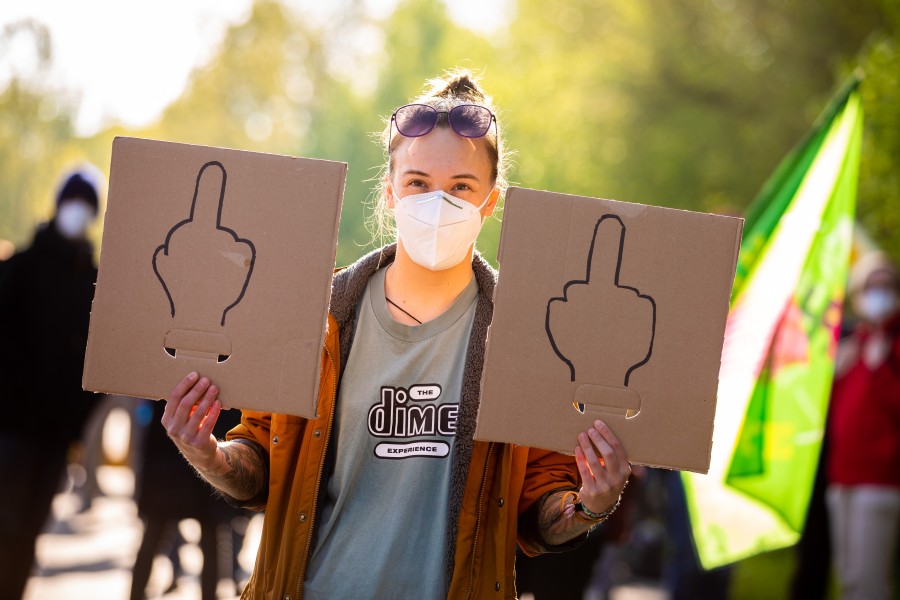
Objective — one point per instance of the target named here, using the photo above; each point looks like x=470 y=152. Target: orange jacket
x=491 y=493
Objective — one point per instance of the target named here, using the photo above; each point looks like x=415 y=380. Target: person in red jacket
x=864 y=431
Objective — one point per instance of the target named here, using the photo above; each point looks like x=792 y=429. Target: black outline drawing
x=165 y=246
x=586 y=280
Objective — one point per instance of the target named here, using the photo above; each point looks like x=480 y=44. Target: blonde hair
x=456 y=87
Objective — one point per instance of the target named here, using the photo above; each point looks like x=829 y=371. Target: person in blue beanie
x=45 y=303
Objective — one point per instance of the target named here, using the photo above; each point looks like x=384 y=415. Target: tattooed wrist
x=241 y=473
x=554 y=527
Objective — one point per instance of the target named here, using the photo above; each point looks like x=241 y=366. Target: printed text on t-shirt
x=408 y=413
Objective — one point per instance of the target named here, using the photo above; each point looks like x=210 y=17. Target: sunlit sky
x=126 y=61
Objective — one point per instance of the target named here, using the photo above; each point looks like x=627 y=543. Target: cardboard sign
x=612 y=310
x=218 y=261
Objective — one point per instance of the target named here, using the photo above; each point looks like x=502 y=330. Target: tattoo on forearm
x=552 y=511
x=246 y=474
x=554 y=527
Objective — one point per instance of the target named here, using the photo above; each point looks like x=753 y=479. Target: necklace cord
x=400 y=308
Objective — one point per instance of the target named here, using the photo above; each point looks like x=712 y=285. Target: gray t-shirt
x=383 y=525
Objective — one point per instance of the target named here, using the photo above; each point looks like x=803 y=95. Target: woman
x=386 y=494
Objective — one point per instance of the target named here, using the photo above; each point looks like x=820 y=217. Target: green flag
x=778 y=356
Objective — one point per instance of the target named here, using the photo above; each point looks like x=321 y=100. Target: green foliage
x=764 y=576
x=33 y=127
x=36 y=133
x=878 y=206
x=689 y=105
x=257 y=93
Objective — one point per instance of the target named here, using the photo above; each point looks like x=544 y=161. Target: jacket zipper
x=484 y=477
x=312 y=516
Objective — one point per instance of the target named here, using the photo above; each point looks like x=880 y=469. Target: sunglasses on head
x=467 y=120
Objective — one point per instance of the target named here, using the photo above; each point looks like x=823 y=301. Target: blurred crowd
x=50 y=424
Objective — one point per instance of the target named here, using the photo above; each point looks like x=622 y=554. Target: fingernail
x=599 y=423
x=192 y=376
x=204 y=381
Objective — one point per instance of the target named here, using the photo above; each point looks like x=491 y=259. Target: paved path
x=88 y=555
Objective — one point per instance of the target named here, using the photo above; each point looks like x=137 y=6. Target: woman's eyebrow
x=419 y=173
x=465 y=176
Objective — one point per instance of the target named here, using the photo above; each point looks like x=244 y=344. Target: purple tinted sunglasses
x=467 y=120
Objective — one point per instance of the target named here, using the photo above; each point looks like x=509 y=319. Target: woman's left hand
x=603 y=465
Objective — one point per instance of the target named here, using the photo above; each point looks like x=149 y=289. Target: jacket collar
x=350 y=282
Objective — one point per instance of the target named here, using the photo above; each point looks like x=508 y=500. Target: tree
x=35 y=130
x=878 y=205
x=684 y=105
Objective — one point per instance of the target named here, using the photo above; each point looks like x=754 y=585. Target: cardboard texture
x=612 y=310
x=218 y=261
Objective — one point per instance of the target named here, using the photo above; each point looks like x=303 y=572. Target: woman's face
x=443 y=160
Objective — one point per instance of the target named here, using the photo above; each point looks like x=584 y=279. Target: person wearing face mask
x=863 y=494
x=386 y=494
x=45 y=303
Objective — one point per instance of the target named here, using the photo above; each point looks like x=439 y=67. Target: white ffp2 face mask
x=73 y=218
x=436 y=228
x=877 y=304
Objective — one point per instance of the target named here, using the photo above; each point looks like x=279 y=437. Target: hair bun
x=457 y=84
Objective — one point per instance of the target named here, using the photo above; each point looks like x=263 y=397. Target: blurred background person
x=863 y=495
x=93 y=449
x=168 y=490
x=45 y=303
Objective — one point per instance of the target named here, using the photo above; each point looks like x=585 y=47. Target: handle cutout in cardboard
x=590 y=398
x=598 y=320
x=197 y=344
x=203 y=266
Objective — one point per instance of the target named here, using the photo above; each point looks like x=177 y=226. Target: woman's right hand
x=191 y=413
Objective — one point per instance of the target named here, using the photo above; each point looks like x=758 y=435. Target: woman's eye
x=463 y=187
x=416 y=183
